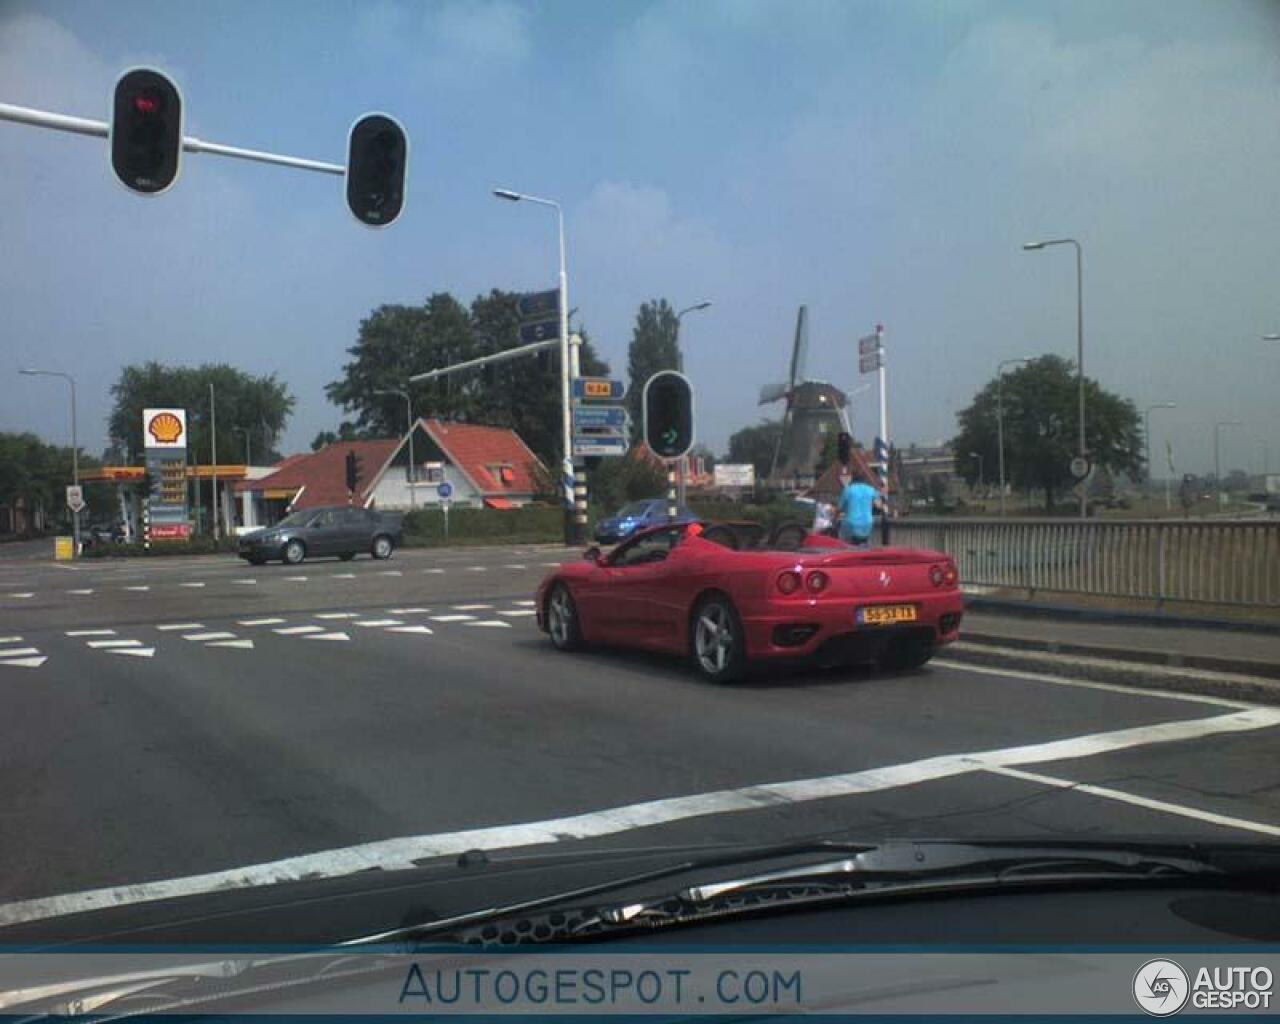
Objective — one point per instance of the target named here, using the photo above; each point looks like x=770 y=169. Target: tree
x=756 y=445
x=654 y=347
x=261 y=405
x=1041 y=425
x=347 y=431
x=37 y=474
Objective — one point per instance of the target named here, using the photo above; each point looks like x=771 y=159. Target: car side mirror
x=592 y=554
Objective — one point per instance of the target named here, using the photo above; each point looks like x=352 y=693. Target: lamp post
x=1217 y=455
x=683 y=468
x=408 y=402
x=566 y=432
x=1271 y=337
x=75 y=444
x=1000 y=418
x=1146 y=430
x=1081 y=447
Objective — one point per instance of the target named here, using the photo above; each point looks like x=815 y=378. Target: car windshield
x=688 y=423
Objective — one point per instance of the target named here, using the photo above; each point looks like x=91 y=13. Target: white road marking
x=204 y=638
x=336 y=615
x=170 y=626
x=509 y=566
x=403 y=852
x=526 y=604
x=1089 y=684
x=18 y=652
x=34 y=662
x=82 y=592
x=243 y=644
x=390 y=572
x=551 y=565
x=491 y=622
x=408 y=611
x=477 y=568
x=433 y=570
x=259 y=622
x=91 y=632
x=10 y=639
x=342 y=576
x=296 y=579
x=298 y=630
x=517 y=612
x=137 y=652
x=1139 y=801
x=411 y=629
x=327 y=636
x=246 y=583
x=452 y=618
x=141 y=587
x=24 y=594
x=378 y=622
x=192 y=584
x=471 y=607
x=114 y=643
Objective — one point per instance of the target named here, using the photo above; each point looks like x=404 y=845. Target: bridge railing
x=1230 y=563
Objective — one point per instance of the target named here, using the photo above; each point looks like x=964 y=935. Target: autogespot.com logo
x=1161 y=987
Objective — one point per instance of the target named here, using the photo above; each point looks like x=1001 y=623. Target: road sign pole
x=671 y=488
x=566 y=376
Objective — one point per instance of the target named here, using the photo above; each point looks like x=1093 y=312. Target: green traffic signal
x=668 y=414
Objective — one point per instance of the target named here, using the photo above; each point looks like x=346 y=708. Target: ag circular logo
x=1161 y=987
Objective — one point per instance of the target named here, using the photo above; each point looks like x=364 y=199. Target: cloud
x=496 y=32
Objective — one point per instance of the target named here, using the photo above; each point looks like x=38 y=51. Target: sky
x=878 y=161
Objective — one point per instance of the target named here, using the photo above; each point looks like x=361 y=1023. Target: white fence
x=1235 y=563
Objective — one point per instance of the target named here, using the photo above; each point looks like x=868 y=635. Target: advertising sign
x=732 y=474
x=164 y=432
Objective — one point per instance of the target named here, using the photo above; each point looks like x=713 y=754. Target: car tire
x=346 y=556
x=562 y=619
x=717 y=641
x=382 y=547
x=294 y=552
x=906 y=655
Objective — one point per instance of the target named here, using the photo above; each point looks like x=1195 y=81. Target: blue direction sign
x=586 y=417
x=539 y=305
x=539 y=330
x=444 y=489
x=598 y=389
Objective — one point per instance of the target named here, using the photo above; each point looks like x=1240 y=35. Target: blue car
x=637 y=515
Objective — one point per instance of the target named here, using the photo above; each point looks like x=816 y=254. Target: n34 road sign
x=539 y=330
x=597 y=388
x=539 y=305
x=590 y=416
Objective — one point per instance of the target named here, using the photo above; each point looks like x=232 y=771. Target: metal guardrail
x=1211 y=562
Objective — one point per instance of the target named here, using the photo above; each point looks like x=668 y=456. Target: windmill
x=813 y=410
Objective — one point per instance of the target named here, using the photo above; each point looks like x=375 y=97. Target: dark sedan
x=339 y=530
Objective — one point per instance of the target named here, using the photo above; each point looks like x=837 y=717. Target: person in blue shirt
x=858 y=502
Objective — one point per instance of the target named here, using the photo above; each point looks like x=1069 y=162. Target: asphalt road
x=167 y=719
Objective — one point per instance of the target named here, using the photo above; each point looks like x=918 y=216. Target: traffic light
x=844 y=448
x=668 y=414
x=377 y=159
x=146 y=131
x=353 y=471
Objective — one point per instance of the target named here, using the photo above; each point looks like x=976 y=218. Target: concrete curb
x=1226 y=685
x=1040 y=610
x=1167 y=659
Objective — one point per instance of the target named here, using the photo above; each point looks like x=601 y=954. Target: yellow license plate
x=886 y=614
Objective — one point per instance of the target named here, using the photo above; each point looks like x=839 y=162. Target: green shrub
x=163 y=548
x=531 y=524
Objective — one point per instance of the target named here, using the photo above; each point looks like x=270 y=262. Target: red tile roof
x=324 y=473
x=474 y=448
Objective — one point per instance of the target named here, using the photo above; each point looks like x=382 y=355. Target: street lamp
x=683 y=468
x=982 y=477
x=248 y=458
x=408 y=402
x=1000 y=417
x=1271 y=337
x=75 y=444
x=1217 y=455
x=1033 y=247
x=566 y=433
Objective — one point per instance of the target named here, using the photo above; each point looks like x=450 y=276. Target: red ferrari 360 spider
x=726 y=599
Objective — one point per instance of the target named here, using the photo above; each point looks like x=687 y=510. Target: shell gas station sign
x=164 y=432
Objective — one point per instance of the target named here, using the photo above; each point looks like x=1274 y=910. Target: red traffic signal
x=377 y=161
x=146 y=131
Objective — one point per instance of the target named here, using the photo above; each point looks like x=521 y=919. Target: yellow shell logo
x=165 y=428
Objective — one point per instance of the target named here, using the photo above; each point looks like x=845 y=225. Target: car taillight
x=789 y=582
x=816 y=582
x=936 y=575
x=950 y=575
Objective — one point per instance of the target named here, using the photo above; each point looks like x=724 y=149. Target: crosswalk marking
x=114 y=643
x=31 y=662
x=452 y=618
x=135 y=652
x=517 y=612
x=10 y=639
x=206 y=637
x=491 y=622
x=471 y=607
x=245 y=644
x=91 y=632
x=171 y=626
x=408 y=611
x=326 y=636
x=336 y=615
x=411 y=629
x=298 y=630
x=259 y=622
x=378 y=622
x=17 y=652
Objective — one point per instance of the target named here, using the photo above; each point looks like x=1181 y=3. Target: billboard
x=164 y=433
x=731 y=474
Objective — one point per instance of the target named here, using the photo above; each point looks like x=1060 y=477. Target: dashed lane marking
x=390 y=572
x=245 y=583
x=477 y=568
x=435 y=571
x=342 y=576
x=90 y=632
x=135 y=652
x=426 y=630
x=378 y=622
x=452 y=618
x=30 y=662
x=207 y=637
x=518 y=612
x=259 y=622
x=81 y=591
x=139 y=587
x=298 y=630
x=526 y=604
x=169 y=627
x=23 y=596
x=243 y=644
x=336 y=615
x=515 y=566
x=471 y=607
x=326 y=636
x=491 y=622
x=405 y=852
x=408 y=611
x=114 y=643
x=191 y=584
x=18 y=652
x=296 y=579
x=10 y=639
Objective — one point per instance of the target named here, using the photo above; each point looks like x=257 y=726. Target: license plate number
x=886 y=614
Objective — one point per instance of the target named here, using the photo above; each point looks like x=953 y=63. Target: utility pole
x=682 y=465
x=213 y=455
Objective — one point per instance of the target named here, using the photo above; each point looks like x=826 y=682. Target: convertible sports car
x=727 y=598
